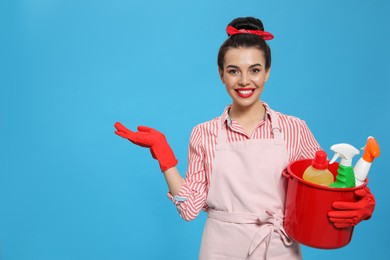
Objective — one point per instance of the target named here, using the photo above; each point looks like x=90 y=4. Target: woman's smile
x=245 y=92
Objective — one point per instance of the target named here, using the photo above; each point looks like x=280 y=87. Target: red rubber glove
x=153 y=139
x=349 y=214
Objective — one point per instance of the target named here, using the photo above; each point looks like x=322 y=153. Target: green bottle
x=345 y=176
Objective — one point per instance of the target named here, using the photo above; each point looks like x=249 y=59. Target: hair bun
x=248 y=23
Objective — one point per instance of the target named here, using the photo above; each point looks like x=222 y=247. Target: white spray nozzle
x=345 y=151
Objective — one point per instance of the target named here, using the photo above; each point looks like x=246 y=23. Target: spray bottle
x=345 y=176
x=362 y=167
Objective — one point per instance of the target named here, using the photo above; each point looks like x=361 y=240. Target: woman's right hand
x=152 y=139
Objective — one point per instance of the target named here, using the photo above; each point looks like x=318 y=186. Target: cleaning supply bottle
x=318 y=172
x=345 y=176
x=362 y=167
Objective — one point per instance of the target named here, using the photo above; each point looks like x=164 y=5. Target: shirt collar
x=226 y=118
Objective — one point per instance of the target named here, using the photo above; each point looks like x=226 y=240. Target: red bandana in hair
x=265 y=35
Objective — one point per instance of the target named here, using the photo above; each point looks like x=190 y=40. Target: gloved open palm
x=152 y=139
x=349 y=214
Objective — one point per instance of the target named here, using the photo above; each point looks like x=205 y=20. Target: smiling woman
x=236 y=160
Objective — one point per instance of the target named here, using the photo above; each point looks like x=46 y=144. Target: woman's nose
x=244 y=80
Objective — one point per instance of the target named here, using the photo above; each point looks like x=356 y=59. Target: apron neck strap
x=221 y=131
x=276 y=131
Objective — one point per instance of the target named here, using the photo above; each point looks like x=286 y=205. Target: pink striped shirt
x=191 y=199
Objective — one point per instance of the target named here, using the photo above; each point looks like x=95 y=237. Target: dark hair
x=245 y=40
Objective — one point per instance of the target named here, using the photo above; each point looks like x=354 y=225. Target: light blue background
x=71 y=189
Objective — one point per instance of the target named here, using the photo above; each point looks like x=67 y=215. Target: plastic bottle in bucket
x=318 y=172
x=345 y=176
x=362 y=167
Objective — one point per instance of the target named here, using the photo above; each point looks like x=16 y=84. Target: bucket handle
x=286 y=174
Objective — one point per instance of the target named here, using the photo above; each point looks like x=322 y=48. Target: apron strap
x=276 y=131
x=269 y=223
x=221 y=132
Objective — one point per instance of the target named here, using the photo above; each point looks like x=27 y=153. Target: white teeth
x=245 y=92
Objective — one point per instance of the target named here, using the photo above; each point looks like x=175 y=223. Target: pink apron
x=246 y=200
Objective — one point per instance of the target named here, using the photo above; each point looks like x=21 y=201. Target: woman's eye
x=232 y=71
x=255 y=70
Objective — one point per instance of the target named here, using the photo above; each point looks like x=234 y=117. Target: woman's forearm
x=174 y=180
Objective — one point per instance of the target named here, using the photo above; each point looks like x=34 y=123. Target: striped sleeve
x=300 y=142
x=192 y=195
x=308 y=145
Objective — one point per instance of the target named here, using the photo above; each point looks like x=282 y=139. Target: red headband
x=265 y=35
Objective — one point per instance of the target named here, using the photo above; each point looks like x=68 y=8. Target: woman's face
x=244 y=75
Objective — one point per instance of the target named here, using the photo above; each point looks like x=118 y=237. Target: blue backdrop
x=71 y=189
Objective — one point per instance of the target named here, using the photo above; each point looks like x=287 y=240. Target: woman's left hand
x=349 y=214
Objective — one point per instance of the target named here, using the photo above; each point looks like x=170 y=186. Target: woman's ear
x=221 y=75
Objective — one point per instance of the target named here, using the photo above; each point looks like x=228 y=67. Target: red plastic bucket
x=307 y=206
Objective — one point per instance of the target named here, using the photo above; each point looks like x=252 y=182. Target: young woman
x=236 y=160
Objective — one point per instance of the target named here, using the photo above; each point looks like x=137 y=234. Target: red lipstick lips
x=245 y=92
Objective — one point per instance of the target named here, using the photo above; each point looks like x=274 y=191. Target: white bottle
x=363 y=165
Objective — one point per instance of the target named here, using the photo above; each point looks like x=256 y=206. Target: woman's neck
x=248 y=117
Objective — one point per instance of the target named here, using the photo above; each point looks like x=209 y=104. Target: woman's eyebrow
x=232 y=66
x=254 y=65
